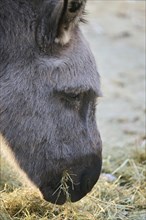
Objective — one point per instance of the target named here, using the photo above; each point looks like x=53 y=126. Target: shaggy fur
x=48 y=90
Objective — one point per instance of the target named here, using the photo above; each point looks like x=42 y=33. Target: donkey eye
x=74 y=6
x=72 y=96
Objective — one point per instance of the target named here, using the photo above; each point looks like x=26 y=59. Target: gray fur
x=48 y=128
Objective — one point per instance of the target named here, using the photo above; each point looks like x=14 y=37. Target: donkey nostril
x=90 y=177
x=88 y=185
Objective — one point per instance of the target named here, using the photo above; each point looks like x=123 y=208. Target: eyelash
x=83 y=19
x=75 y=7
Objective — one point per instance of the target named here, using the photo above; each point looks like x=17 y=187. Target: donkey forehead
x=72 y=75
x=74 y=69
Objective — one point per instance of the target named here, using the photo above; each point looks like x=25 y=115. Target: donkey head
x=49 y=89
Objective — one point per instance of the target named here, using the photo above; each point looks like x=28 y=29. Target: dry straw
x=123 y=198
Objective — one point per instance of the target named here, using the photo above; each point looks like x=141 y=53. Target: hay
x=124 y=198
x=63 y=187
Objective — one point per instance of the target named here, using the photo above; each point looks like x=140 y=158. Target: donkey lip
x=50 y=196
x=60 y=197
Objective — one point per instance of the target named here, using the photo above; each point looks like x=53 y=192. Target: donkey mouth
x=61 y=195
x=69 y=191
x=65 y=191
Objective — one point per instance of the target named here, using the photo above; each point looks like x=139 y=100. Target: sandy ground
x=116 y=32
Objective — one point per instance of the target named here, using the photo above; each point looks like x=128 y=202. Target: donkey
x=49 y=85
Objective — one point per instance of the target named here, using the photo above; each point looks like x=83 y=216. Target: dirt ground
x=116 y=32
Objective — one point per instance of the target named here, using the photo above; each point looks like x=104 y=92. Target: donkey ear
x=72 y=12
x=48 y=16
x=57 y=20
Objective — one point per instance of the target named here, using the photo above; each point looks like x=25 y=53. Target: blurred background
x=116 y=33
